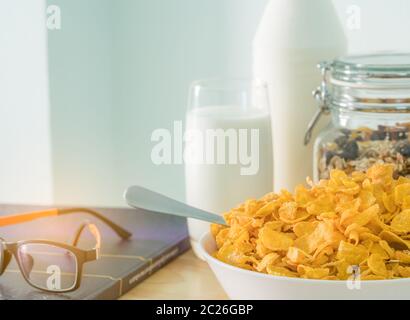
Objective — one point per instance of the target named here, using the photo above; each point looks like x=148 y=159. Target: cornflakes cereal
x=324 y=231
x=403 y=257
x=312 y=273
x=377 y=265
x=267 y=260
x=401 y=222
x=274 y=240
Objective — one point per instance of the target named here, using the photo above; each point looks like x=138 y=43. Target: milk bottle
x=292 y=38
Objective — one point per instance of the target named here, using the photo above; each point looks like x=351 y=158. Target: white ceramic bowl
x=240 y=284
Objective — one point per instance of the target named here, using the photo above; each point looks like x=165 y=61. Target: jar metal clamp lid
x=365 y=83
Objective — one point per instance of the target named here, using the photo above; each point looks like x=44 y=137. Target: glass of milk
x=228 y=147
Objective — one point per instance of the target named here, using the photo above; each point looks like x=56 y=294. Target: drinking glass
x=228 y=146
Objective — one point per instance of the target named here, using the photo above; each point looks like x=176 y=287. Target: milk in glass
x=243 y=172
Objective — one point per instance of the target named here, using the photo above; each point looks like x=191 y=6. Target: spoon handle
x=141 y=198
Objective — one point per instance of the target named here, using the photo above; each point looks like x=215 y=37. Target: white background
x=25 y=154
x=118 y=71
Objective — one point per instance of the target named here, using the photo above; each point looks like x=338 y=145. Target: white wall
x=25 y=162
x=385 y=25
x=119 y=70
x=82 y=106
x=160 y=47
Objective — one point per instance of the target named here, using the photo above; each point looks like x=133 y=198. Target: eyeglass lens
x=48 y=267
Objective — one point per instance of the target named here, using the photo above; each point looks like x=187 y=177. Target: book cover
x=156 y=240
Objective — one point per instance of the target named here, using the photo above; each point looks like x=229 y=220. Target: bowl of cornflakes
x=347 y=237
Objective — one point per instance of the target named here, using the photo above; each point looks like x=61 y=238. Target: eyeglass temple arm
x=29 y=216
x=93 y=254
x=118 y=229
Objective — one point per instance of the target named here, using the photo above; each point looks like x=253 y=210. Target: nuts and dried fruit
x=358 y=150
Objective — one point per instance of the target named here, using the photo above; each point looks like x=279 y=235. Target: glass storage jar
x=368 y=98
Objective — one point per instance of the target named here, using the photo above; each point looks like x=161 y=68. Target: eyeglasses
x=53 y=266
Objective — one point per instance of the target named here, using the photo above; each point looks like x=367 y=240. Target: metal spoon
x=141 y=198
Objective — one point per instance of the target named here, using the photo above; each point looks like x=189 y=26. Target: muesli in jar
x=357 y=150
x=368 y=100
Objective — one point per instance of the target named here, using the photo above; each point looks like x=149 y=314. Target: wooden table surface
x=185 y=278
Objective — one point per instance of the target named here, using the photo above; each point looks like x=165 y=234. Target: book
x=157 y=239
